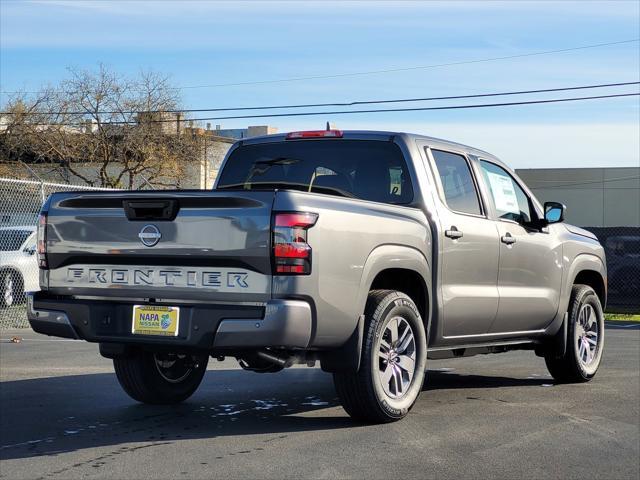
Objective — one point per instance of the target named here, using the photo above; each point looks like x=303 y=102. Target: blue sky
x=204 y=43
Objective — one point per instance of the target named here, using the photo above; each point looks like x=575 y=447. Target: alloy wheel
x=587 y=335
x=174 y=368
x=396 y=357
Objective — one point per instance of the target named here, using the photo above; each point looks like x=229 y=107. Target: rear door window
x=366 y=169
x=459 y=189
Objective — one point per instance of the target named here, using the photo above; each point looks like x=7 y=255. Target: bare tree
x=102 y=129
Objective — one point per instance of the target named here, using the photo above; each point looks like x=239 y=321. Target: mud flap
x=557 y=343
x=560 y=340
x=347 y=357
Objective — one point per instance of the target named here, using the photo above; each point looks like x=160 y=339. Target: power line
x=574 y=184
x=417 y=109
x=390 y=70
x=334 y=104
x=381 y=110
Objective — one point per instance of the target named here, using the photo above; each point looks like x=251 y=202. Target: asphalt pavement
x=63 y=415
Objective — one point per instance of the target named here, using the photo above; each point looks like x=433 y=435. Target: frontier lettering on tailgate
x=158 y=277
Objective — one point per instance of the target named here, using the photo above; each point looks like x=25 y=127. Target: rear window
x=365 y=169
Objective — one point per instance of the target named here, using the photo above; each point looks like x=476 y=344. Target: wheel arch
x=595 y=280
x=392 y=267
x=408 y=282
x=583 y=268
x=396 y=267
x=589 y=270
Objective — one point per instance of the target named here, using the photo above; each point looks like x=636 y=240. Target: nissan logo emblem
x=149 y=235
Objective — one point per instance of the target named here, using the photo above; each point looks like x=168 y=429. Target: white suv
x=18 y=264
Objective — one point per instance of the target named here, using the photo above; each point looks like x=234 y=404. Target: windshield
x=365 y=169
x=11 y=240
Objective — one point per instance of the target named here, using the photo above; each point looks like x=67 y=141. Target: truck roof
x=381 y=135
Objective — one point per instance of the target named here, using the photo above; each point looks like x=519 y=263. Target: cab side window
x=509 y=200
x=457 y=182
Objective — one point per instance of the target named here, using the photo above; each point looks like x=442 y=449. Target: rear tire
x=585 y=339
x=160 y=379
x=393 y=365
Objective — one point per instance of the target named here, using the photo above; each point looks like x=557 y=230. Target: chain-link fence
x=622 y=247
x=20 y=202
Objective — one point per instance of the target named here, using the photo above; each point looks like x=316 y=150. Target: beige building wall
x=258 y=130
x=595 y=197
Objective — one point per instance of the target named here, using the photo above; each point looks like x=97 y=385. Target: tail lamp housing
x=291 y=252
x=41 y=240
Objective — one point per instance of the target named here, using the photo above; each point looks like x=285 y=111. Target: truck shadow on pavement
x=446 y=379
x=54 y=415
x=48 y=416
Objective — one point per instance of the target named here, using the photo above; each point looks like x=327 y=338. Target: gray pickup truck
x=366 y=251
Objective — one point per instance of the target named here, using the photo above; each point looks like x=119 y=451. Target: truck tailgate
x=190 y=245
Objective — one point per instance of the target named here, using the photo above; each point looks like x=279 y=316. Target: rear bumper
x=278 y=323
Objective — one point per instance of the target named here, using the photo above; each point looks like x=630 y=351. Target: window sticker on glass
x=504 y=194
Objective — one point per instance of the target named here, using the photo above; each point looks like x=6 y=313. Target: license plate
x=155 y=320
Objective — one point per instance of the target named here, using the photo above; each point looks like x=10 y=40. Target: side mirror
x=554 y=212
x=30 y=250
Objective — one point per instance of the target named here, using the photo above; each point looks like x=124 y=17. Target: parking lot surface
x=63 y=415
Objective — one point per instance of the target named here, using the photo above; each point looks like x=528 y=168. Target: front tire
x=585 y=339
x=160 y=379
x=11 y=292
x=393 y=364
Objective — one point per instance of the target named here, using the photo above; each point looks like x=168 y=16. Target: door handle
x=508 y=239
x=453 y=233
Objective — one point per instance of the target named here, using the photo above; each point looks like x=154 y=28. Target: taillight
x=291 y=252
x=314 y=134
x=42 y=240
